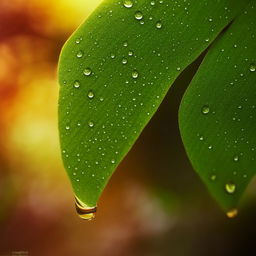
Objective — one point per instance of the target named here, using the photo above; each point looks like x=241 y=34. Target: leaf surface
x=114 y=72
x=217 y=116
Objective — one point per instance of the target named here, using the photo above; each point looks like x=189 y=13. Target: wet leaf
x=114 y=72
x=218 y=113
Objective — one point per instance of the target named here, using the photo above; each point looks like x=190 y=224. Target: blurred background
x=155 y=205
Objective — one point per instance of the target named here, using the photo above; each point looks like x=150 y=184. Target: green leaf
x=217 y=116
x=114 y=72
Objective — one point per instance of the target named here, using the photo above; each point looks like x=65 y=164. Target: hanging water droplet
x=90 y=95
x=138 y=15
x=236 y=158
x=83 y=211
x=79 y=54
x=152 y=3
x=124 y=61
x=159 y=24
x=113 y=161
x=135 y=74
x=230 y=188
x=252 y=67
x=128 y=3
x=76 y=84
x=205 y=110
x=87 y=72
x=91 y=124
x=77 y=41
x=67 y=127
x=112 y=56
x=232 y=213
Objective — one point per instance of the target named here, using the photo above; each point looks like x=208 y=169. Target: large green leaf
x=114 y=72
x=218 y=113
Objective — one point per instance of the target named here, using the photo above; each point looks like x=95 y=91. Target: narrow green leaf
x=114 y=72
x=218 y=113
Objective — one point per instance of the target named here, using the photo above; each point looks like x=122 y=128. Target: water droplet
x=67 y=127
x=135 y=74
x=79 y=54
x=130 y=53
x=159 y=24
x=236 y=158
x=205 y=110
x=230 y=188
x=232 y=213
x=112 y=56
x=113 y=161
x=128 y=3
x=213 y=177
x=87 y=72
x=85 y=212
x=91 y=124
x=152 y=3
x=76 y=84
x=138 y=15
x=125 y=44
x=77 y=41
x=90 y=95
x=124 y=61
x=253 y=68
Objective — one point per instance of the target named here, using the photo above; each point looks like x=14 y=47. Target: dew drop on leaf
x=213 y=177
x=253 y=68
x=205 y=110
x=135 y=74
x=124 y=61
x=138 y=15
x=87 y=72
x=76 y=84
x=128 y=3
x=91 y=124
x=90 y=95
x=159 y=24
x=230 y=188
x=79 y=54
x=236 y=158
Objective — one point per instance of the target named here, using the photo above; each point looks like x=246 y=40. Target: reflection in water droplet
x=230 y=188
x=253 y=68
x=138 y=15
x=159 y=24
x=87 y=72
x=232 y=213
x=205 y=110
x=128 y=3
x=85 y=212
